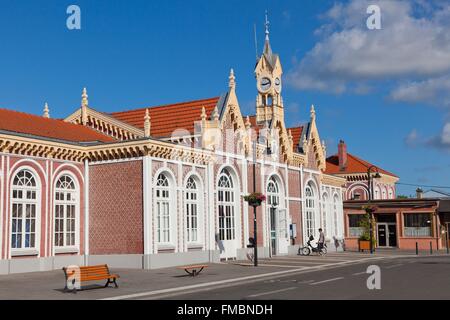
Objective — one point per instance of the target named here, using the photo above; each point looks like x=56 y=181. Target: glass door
x=382 y=235
x=392 y=235
x=273 y=231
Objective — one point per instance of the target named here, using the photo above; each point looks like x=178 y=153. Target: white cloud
x=414 y=43
x=445 y=137
x=435 y=91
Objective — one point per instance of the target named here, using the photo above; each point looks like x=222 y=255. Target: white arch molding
x=200 y=211
x=229 y=217
x=277 y=215
x=35 y=249
x=68 y=248
x=165 y=207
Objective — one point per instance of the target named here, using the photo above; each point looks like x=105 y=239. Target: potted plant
x=364 y=238
x=255 y=199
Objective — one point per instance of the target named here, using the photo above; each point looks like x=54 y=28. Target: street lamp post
x=370 y=190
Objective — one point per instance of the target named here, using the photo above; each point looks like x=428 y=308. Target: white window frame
x=310 y=210
x=73 y=248
x=193 y=189
x=167 y=202
x=35 y=250
x=227 y=227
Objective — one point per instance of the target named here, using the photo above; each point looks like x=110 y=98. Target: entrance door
x=386 y=235
x=381 y=234
x=392 y=235
x=273 y=231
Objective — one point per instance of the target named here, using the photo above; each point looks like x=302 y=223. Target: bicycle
x=308 y=249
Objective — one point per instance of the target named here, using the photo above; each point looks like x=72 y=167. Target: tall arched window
x=384 y=196
x=163 y=207
x=192 y=210
x=324 y=212
x=24 y=204
x=273 y=193
x=310 y=202
x=226 y=206
x=336 y=212
x=66 y=197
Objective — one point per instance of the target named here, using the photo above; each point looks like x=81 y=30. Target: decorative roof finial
x=232 y=78
x=46 y=111
x=248 y=124
x=147 y=124
x=313 y=112
x=215 y=114
x=84 y=98
x=203 y=114
x=84 y=106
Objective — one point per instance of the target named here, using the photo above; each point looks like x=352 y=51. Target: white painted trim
x=201 y=213
x=17 y=165
x=37 y=231
x=36 y=158
x=86 y=208
x=62 y=168
x=95 y=163
x=295 y=199
x=47 y=214
x=173 y=222
x=77 y=211
x=244 y=171
x=2 y=193
x=6 y=245
x=147 y=204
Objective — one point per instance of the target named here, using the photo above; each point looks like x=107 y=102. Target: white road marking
x=359 y=273
x=325 y=281
x=271 y=292
x=394 y=266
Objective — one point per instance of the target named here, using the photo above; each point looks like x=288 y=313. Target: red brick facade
x=116 y=220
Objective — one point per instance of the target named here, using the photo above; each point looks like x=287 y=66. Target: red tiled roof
x=25 y=123
x=354 y=165
x=166 y=119
x=296 y=136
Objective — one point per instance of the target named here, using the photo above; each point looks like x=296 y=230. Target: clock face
x=265 y=84
x=278 y=84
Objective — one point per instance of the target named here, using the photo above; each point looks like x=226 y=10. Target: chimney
x=419 y=193
x=342 y=154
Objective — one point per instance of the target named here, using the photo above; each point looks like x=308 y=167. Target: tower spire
x=84 y=106
x=267 y=48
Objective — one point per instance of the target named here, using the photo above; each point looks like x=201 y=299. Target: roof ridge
x=166 y=105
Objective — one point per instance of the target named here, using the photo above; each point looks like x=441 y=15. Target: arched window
x=336 y=212
x=310 y=202
x=163 y=207
x=384 y=197
x=66 y=198
x=391 y=194
x=324 y=212
x=226 y=206
x=24 y=213
x=273 y=193
x=377 y=195
x=192 y=210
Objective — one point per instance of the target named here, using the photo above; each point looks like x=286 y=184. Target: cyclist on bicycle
x=321 y=241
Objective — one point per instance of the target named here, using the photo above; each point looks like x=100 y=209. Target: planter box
x=364 y=245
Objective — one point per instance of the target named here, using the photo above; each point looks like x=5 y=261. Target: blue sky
x=385 y=92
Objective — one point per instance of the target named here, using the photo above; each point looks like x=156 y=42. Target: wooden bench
x=194 y=270
x=92 y=273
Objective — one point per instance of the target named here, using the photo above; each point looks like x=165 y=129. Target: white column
x=288 y=216
x=211 y=216
x=180 y=212
x=245 y=206
x=86 y=210
x=2 y=192
x=265 y=216
x=147 y=204
x=302 y=194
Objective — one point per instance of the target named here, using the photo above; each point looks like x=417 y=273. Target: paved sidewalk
x=49 y=285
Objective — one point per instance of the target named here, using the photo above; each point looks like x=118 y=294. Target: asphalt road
x=401 y=278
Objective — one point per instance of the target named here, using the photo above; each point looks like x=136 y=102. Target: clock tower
x=268 y=72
